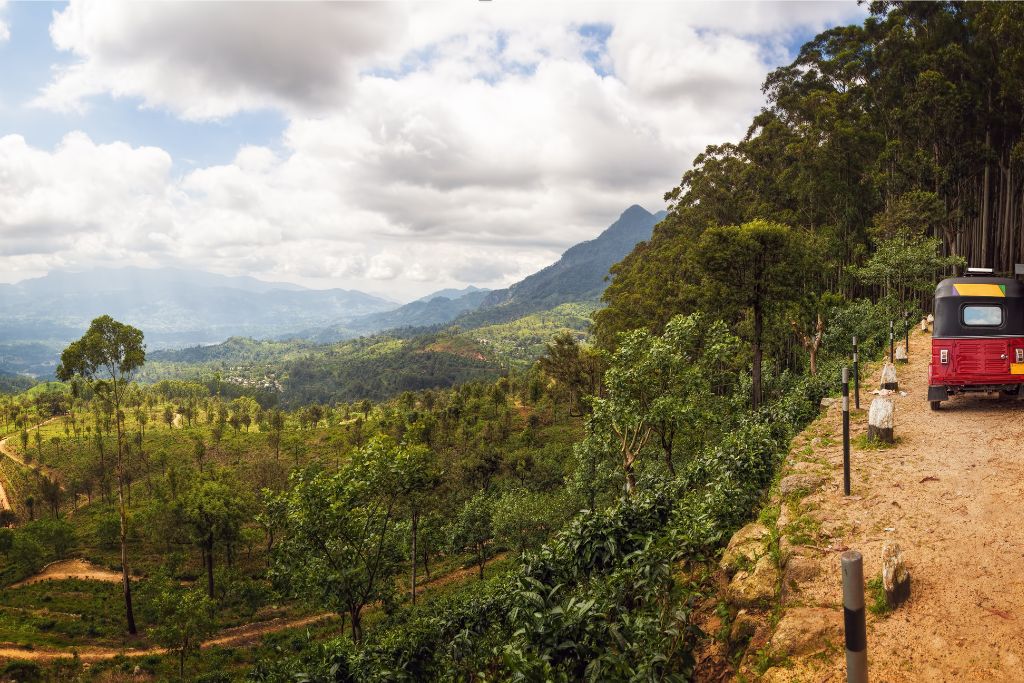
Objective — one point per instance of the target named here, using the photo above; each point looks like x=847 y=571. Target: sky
x=387 y=147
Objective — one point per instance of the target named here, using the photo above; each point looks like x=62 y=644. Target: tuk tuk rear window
x=982 y=315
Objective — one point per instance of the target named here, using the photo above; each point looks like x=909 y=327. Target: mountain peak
x=580 y=275
x=635 y=211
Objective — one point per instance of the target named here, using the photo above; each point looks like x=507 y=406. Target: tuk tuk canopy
x=979 y=307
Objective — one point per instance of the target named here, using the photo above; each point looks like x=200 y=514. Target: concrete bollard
x=924 y=324
x=901 y=354
x=854 y=622
x=889 y=380
x=880 y=420
x=895 y=577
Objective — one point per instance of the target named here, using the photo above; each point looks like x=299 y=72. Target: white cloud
x=5 y=31
x=427 y=145
x=206 y=60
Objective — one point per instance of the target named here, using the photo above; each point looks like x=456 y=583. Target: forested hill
x=438 y=309
x=579 y=275
x=885 y=147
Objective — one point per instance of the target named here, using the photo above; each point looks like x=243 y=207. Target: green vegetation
x=462 y=512
x=878 y=602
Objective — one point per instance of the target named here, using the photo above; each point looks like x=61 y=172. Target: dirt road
x=232 y=637
x=950 y=493
x=75 y=568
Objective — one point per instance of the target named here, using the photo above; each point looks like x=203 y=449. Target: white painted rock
x=881 y=418
x=889 y=380
x=901 y=354
x=924 y=324
x=895 y=577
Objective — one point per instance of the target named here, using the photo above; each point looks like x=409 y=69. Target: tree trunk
x=357 y=629
x=756 y=373
x=666 y=445
x=209 y=565
x=985 y=210
x=125 y=576
x=415 y=520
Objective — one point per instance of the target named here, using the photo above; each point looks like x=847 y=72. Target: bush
x=600 y=600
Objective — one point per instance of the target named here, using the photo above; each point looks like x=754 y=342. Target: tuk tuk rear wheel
x=935 y=404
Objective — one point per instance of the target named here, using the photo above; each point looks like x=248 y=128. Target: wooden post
x=892 y=341
x=856 y=375
x=846 y=431
x=906 y=326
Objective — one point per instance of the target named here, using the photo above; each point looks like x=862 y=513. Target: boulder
x=889 y=380
x=800 y=570
x=901 y=354
x=744 y=626
x=805 y=630
x=754 y=587
x=880 y=419
x=800 y=483
x=828 y=401
x=745 y=548
x=895 y=577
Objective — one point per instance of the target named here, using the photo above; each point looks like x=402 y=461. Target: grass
x=803 y=530
x=862 y=443
x=63 y=614
x=878 y=603
x=766 y=658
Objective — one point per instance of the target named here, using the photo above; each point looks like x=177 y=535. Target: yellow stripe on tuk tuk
x=979 y=289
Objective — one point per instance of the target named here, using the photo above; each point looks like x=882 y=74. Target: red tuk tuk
x=978 y=336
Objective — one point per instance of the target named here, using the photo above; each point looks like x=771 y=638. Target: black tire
x=935 y=404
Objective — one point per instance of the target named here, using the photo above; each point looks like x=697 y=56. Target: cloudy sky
x=392 y=148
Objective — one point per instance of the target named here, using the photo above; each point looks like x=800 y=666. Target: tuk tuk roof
x=954 y=293
x=974 y=286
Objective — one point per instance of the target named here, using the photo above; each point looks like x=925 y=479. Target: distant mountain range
x=580 y=275
x=174 y=307
x=436 y=309
x=178 y=308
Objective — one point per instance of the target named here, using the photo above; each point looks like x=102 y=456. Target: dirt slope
x=951 y=494
x=75 y=568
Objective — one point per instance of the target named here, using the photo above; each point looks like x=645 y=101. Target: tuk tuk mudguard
x=938 y=393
